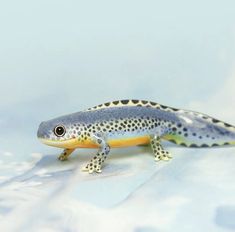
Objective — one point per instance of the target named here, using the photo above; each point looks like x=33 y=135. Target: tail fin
x=199 y=130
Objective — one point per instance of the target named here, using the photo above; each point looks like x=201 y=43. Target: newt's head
x=59 y=132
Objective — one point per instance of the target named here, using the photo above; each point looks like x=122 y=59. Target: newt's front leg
x=97 y=161
x=65 y=154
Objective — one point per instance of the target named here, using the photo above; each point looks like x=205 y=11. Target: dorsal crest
x=138 y=103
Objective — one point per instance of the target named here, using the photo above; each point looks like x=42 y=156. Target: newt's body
x=133 y=122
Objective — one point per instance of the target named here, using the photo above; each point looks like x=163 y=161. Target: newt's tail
x=199 y=130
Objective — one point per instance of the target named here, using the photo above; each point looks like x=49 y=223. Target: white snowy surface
x=59 y=57
x=193 y=192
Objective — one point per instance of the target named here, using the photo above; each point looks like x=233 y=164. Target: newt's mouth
x=68 y=143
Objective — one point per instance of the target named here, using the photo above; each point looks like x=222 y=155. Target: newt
x=130 y=123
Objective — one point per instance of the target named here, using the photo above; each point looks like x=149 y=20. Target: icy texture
x=193 y=192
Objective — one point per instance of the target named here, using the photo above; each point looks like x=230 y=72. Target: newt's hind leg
x=97 y=161
x=158 y=150
x=65 y=154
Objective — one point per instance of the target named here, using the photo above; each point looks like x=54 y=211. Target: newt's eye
x=59 y=131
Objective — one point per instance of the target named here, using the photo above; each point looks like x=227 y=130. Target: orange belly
x=128 y=142
x=121 y=142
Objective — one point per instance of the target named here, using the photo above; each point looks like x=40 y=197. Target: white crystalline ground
x=193 y=192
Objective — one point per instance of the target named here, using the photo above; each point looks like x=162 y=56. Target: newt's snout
x=42 y=132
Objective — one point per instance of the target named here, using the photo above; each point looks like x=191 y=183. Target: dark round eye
x=59 y=130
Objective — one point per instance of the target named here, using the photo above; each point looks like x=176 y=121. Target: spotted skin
x=133 y=122
x=96 y=162
x=65 y=154
x=158 y=150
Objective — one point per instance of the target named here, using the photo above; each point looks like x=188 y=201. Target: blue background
x=59 y=57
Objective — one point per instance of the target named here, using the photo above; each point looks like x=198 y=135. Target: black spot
x=227 y=125
x=185 y=129
x=115 y=102
x=179 y=125
x=204 y=145
x=135 y=101
x=174 y=109
x=138 y=105
x=144 y=102
x=174 y=128
x=215 y=145
x=204 y=117
x=226 y=144
x=107 y=104
x=164 y=107
x=215 y=120
x=186 y=134
x=193 y=145
x=153 y=103
x=124 y=102
x=183 y=144
x=172 y=140
x=200 y=137
x=194 y=134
